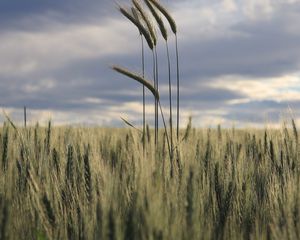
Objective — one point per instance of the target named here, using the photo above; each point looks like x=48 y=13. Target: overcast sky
x=240 y=62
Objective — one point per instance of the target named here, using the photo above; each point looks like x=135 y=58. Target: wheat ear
x=146 y=19
x=140 y=27
x=138 y=78
x=158 y=19
x=165 y=12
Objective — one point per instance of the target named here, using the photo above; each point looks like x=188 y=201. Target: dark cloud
x=36 y=15
x=259 y=48
x=256 y=55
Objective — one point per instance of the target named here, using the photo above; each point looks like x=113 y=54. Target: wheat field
x=96 y=183
x=154 y=183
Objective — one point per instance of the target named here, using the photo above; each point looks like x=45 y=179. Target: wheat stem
x=166 y=132
x=155 y=103
x=178 y=87
x=144 y=100
x=157 y=87
x=170 y=96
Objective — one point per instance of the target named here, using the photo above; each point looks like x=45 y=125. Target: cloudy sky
x=240 y=61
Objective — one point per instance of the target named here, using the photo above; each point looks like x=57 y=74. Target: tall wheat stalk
x=141 y=20
x=149 y=33
x=136 y=15
x=164 y=34
x=173 y=27
x=178 y=87
x=147 y=22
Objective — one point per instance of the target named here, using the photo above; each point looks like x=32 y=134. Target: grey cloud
x=265 y=47
x=34 y=14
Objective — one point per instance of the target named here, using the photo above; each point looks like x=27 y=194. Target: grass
x=94 y=183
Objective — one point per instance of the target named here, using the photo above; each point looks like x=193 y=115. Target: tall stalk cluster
x=142 y=16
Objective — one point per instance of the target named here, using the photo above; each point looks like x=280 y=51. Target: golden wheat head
x=136 y=16
x=137 y=78
x=140 y=27
x=167 y=15
x=158 y=19
x=146 y=19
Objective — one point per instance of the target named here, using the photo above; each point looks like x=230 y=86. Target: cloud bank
x=239 y=61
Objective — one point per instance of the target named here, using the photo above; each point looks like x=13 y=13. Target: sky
x=239 y=62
